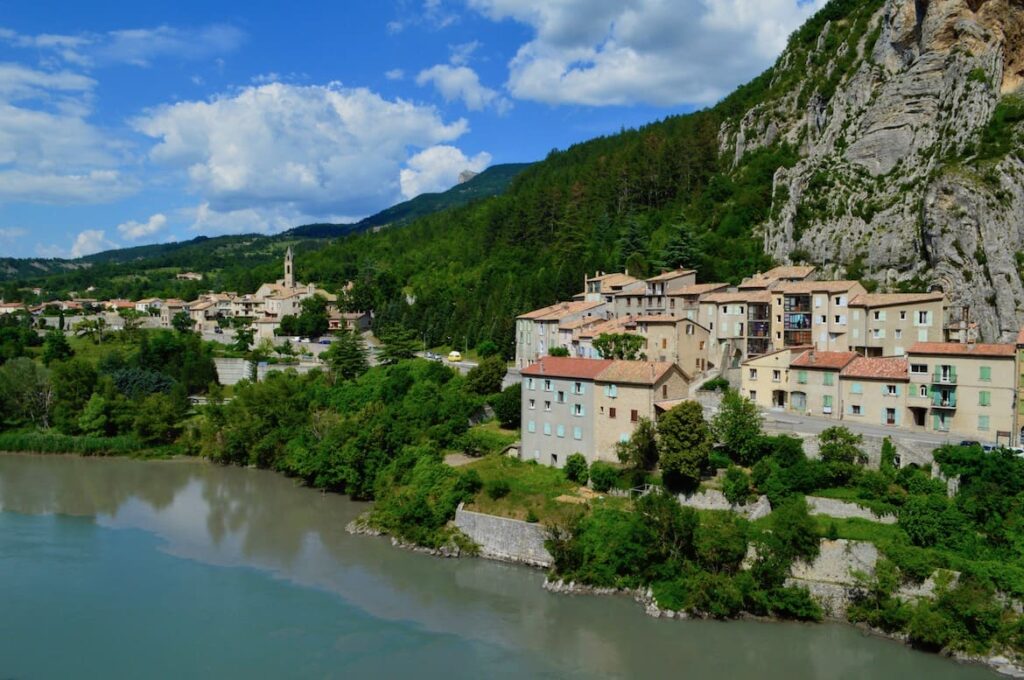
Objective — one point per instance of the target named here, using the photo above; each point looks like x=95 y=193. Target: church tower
x=289 y=269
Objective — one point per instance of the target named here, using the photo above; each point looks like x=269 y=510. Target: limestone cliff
x=905 y=114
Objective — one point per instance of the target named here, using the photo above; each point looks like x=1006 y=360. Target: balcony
x=947 y=378
x=944 y=400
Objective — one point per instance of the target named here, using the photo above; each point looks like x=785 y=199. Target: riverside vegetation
x=381 y=433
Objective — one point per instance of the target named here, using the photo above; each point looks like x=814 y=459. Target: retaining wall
x=500 y=538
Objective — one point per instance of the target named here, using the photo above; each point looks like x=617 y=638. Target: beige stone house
x=969 y=390
x=886 y=324
x=874 y=391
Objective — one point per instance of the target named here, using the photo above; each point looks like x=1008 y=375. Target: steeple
x=289 y=269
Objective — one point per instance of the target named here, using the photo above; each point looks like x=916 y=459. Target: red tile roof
x=877 y=368
x=567 y=367
x=956 y=348
x=813 y=358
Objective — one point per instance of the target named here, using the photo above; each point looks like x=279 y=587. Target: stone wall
x=500 y=538
x=845 y=510
x=713 y=499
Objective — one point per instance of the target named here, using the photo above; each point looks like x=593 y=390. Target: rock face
x=893 y=110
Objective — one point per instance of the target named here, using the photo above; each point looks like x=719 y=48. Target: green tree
x=486 y=377
x=346 y=357
x=626 y=346
x=507 y=406
x=182 y=322
x=576 y=469
x=737 y=426
x=56 y=347
x=838 y=445
x=640 y=451
x=684 y=444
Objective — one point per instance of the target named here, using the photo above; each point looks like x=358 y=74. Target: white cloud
x=438 y=168
x=394 y=74
x=462 y=83
x=133 y=230
x=662 y=52
x=314 y=149
x=137 y=46
x=91 y=241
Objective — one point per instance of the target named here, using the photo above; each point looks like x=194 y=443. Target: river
x=115 y=568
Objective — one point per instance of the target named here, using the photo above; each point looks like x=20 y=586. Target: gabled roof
x=891 y=299
x=959 y=349
x=877 y=368
x=813 y=358
x=566 y=367
x=559 y=311
x=675 y=274
x=635 y=372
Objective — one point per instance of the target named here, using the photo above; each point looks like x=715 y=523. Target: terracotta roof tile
x=566 y=367
x=877 y=368
x=890 y=299
x=635 y=372
x=956 y=348
x=826 y=360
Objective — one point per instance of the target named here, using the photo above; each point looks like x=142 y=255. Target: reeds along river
x=115 y=568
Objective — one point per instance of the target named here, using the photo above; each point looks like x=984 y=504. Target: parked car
x=454 y=356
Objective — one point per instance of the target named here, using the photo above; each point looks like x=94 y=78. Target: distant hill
x=205 y=253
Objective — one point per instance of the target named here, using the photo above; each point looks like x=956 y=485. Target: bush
x=603 y=476
x=576 y=468
x=498 y=488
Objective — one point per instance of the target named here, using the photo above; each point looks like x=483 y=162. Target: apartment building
x=886 y=324
x=538 y=331
x=874 y=390
x=814 y=388
x=813 y=313
x=969 y=390
x=572 y=405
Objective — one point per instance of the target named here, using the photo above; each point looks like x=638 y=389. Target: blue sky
x=131 y=123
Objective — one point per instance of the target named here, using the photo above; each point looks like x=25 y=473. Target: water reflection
x=232 y=516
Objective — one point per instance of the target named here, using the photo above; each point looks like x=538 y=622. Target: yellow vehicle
x=454 y=356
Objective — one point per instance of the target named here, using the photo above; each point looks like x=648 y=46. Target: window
x=919 y=369
x=985 y=373
x=801 y=377
x=560 y=431
x=577 y=409
x=984 y=398
x=855 y=410
x=776 y=375
x=634 y=416
x=753 y=374
x=577 y=433
x=983 y=423
x=547 y=429
x=533 y=404
x=891 y=391
x=828 y=379
x=611 y=412
x=531 y=426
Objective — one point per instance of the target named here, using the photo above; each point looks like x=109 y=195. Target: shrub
x=576 y=469
x=498 y=488
x=603 y=476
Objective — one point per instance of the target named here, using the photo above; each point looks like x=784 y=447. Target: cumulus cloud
x=662 y=52
x=438 y=168
x=462 y=83
x=314 y=149
x=133 y=230
x=91 y=241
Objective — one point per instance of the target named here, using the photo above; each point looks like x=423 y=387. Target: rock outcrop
x=904 y=114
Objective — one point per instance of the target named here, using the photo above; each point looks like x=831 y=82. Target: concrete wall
x=500 y=538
